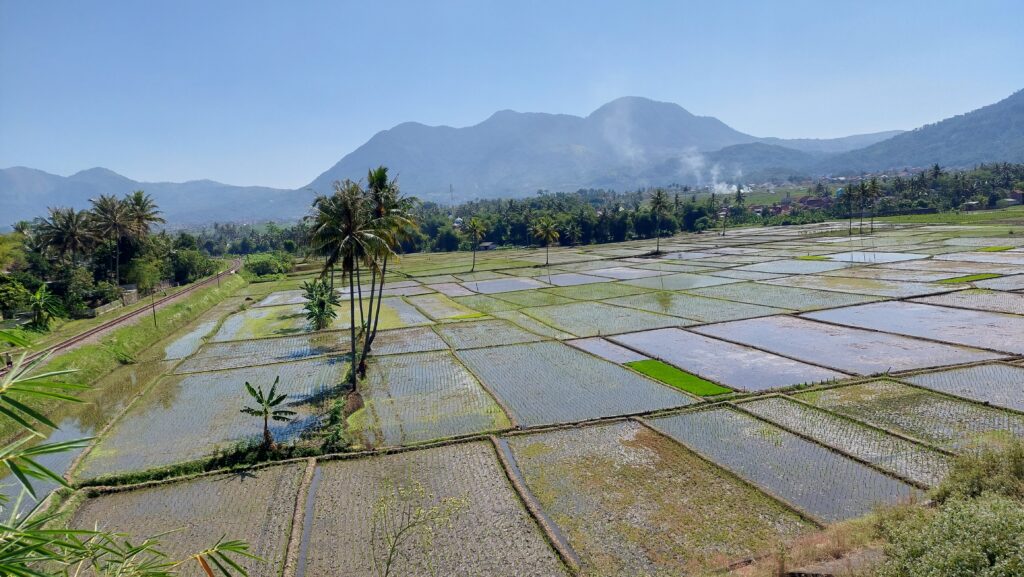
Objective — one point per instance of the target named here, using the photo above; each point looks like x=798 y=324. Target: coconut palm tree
x=344 y=234
x=545 y=231
x=660 y=205
x=143 y=213
x=390 y=216
x=266 y=408
x=475 y=229
x=112 y=220
x=66 y=231
x=874 y=193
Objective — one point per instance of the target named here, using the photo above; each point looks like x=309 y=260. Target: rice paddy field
x=616 y=412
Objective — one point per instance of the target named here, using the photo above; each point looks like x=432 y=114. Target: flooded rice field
x=471 y=370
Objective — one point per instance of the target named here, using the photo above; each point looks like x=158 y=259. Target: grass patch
x=995 y=248
x=678 y=378
x=812 y=257
x=970 y=278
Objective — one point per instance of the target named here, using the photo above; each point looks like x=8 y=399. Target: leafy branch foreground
x=31 y=545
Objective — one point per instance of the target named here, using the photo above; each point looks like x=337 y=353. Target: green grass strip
x=995 y=248
x=970 y=278
x=677 y=378
x=812 y=257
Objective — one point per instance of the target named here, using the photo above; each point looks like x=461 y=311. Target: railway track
x=112 y=323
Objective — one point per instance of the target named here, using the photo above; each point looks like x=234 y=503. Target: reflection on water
x=77 y=420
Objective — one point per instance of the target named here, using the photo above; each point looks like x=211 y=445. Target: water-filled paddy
x=589 y=319
x=982 y=329
x=189 y=416
x=735 y=366
x=550 y=382
x=998 y=384
x=491 y=535
x=890 y=453
x=821 y=482
x=843 y=348
x=919 y=413
x=662 y=524
x=419 y=397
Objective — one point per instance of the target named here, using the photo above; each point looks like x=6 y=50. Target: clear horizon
x=273 y=94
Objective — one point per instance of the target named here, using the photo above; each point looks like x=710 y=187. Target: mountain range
x=628 y=143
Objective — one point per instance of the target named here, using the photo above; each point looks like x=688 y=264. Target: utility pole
x=154 y=308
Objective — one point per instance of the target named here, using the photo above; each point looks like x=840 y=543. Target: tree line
x=64 y=263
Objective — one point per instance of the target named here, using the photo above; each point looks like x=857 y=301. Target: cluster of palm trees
x=357 y=230
x=68 y=234
x=859 y=197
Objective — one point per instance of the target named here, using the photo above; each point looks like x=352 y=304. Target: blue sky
x=273 y=93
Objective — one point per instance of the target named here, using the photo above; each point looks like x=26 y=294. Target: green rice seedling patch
x=595 y=292
x=677 y=378
x=549 y=382
x=421 y=397
x=995 y=248
x=633 y=502
x=890 y=453
x=944 y=421
x=492 y=534
x=440 y=307
x=819 y=481
x=970 y=278
x=487 y=333
x=188 y=417
x=812 y=257
x=589 y=319
x=255 y=506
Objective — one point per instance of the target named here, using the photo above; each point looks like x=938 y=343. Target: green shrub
x=981 y=537
x=267 y=264
x=992 y=470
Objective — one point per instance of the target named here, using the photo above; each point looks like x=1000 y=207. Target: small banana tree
x=266 y=408
x=320 y=302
